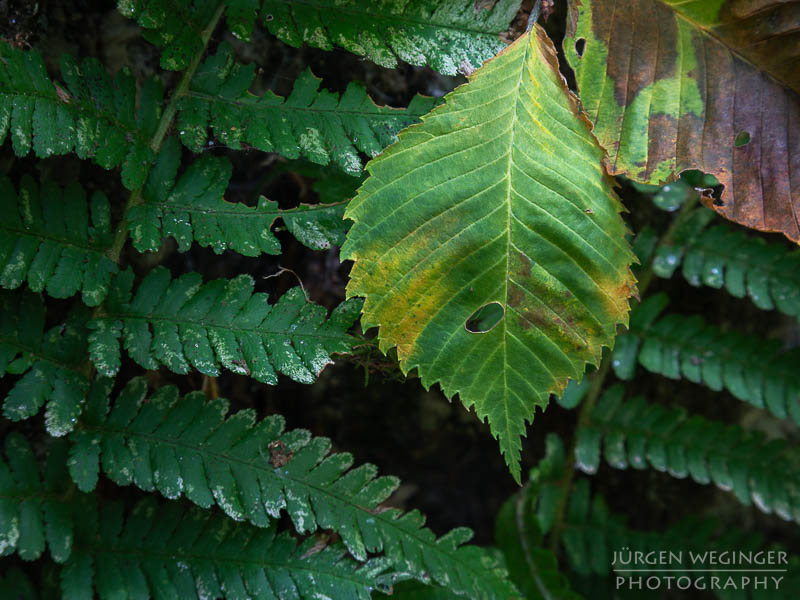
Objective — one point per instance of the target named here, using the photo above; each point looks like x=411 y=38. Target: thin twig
x=281 y=270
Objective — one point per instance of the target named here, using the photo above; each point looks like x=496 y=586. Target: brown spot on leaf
x=62 y=94
x=279 y=453
x=516 y=297
x=525 y=262
x=322 y=540
x=643 y=46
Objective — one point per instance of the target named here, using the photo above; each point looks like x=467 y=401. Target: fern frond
x=48 y=240
x=592 y=534
x=767 y=273
x=254 y=470
x=173 y=25
x=95 y=116
x=184 y=324
x=635 y=433
x=193 y=209
x=50 y=362
x=310 y=123
x=161 y=551
x=32 y=511
x=165 y=551
x=449 y=36
x=532 y=567
x=754 y=370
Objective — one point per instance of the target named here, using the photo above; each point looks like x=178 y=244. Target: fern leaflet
x=95 y=116
x=315 y=124
x=447 y=35
x=50 y=362
x=184 y=324
x=767 y=273
x=32 y=513
x=635 y=433
x=193 y=209
x=754 y=370
x=46 y=238
x=254 y=470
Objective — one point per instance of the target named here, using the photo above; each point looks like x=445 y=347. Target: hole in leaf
x=742 y=139
x=485 y=318
x=580 y=46
x=268 y=18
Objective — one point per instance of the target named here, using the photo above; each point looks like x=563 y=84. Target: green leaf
x=753 y=369
x=255 y=470
x=48 y=240
x=94 y=116
x=184 y=324
x=672 y=85
x=50 y=362
x=193 y=209
x=637 y=434
x=315 y=124
x=499 y=196
x=449 y=36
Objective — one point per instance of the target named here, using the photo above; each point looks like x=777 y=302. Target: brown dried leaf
x=672 y=85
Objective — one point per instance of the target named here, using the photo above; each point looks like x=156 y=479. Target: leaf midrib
x=253 y=211
x=257 y=102
x=41 y=355
x=510 y=435
x=771 y=466
x=85 y=245
x=151 y=318
x=88 y=110
x=723 y=354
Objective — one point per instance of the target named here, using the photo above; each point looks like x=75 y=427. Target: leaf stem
x=534 y=15
x=599 y=376
x=136 y=197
